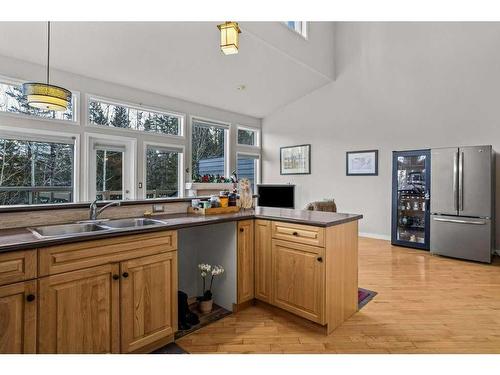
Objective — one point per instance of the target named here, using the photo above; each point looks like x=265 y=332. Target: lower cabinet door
x=245 y=260
x=18 y=318
x=263 y=260
x=148 y=300
x=298 y=275
x=79 y=311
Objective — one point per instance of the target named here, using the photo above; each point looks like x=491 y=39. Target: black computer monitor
x=282 y=196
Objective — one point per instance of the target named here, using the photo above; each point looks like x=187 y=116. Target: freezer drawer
x=461 y=237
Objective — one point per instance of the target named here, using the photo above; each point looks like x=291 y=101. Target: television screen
x=282 y=196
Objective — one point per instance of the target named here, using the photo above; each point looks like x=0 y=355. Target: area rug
x=365 y=296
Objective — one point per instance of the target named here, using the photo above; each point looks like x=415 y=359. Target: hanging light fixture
x=44 y=95
x=229 y=38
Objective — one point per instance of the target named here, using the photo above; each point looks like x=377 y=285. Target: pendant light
x=44 y=95
x=229 y=38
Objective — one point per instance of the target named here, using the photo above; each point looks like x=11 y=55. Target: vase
x=205 y=306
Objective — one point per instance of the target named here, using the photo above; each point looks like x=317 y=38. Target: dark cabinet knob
x=295 y=233
x=242 y=230
x=116 y=277
x=30 y=297
x=320 y=259
x=125 y=274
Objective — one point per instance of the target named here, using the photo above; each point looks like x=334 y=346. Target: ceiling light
x=229 y=38
x=44 y=95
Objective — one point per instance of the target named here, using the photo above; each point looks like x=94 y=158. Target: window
x=36 y=172
x=110 y=167
x=248 y=167
x=163 y=167
x=247 y=137
x=104 y=113
x=298 y=26
x=109 y=174
x=12 y=100
x=209 y=144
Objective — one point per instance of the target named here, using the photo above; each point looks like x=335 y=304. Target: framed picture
x=362 y=163
x=295 y=159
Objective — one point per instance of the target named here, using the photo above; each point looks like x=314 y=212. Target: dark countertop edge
x=123 y=232
x=74 y=205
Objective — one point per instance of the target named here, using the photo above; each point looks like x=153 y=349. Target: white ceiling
x=179 y=59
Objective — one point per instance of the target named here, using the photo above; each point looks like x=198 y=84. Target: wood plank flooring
x=425 y=304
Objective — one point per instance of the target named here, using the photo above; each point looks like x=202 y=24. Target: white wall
x=26 y=71
x=398 y=86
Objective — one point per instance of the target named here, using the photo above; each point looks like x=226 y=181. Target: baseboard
x=375 y=235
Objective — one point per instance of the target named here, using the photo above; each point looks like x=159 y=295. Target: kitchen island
x=125 y=280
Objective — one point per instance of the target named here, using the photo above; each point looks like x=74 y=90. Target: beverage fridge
x=410 y=198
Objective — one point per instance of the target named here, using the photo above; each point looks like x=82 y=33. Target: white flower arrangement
x=209 y=270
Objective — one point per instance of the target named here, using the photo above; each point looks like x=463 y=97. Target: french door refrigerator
x=410 y=198
x=462 y=207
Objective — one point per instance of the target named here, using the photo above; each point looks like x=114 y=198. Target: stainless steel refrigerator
x=462 y=205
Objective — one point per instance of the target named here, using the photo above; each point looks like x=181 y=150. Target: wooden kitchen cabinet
x=245 y=261
x=17 y=266
x=79 y=311
x=298 y=279
x=18 y=318
x=148 y=301
x=263 y=260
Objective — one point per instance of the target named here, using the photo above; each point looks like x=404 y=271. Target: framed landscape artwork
x=362 y=163
x=295 y=159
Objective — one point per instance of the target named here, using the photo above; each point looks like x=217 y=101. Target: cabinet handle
x=116 y=277
x=320 y=259
x=30 y=297
x=125 y=274
x=295 y=233
x=241 y=229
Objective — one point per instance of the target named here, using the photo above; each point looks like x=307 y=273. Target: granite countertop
x=22 y=238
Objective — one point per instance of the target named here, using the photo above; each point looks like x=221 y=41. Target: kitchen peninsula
x=122 y=282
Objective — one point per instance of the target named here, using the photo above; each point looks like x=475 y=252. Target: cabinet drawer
x=63 y=258
x=305 y=234
x=17 y=266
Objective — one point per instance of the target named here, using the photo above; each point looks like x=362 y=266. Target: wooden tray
x=213 y=211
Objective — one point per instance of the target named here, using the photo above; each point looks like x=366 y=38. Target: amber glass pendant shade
x=46 y=97
x=229 y=37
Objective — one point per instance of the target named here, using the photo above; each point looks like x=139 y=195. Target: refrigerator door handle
x=460 y=221
x=455 y=180
x=461 y=182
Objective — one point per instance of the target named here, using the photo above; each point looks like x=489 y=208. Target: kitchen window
x=247 y=136
x=300 y=27
x=106 y=113
x=13 y=101
x=209 y=144
x=248 y=167
x=35 y=171
x=163 y=171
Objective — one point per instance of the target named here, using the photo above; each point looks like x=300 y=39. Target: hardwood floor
x=425 y=304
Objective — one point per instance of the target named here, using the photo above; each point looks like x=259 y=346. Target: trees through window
x=208 y=148
x=33 y=172
x=102 y=113
x=162 y=172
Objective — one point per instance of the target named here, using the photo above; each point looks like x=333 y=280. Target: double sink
x=80 y=228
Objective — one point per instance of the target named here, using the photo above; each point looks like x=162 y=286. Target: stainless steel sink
x=131 y=223
x=66 y=229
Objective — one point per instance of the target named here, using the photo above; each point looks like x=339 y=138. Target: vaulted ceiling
x=182 y=59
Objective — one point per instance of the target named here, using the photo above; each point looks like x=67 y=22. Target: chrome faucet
x=94 y=212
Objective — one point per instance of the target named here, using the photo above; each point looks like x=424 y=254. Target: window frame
x=304 y=29
x=123 y=103
x=76 y=106
x=181 y=168
x=129 y=176
x=37 y=135
x=255 y=156
x=256 y=131
x=227 y=143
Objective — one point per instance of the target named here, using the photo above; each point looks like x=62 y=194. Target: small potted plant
x=207 y=270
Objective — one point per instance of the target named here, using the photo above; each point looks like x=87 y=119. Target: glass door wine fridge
x=411 y=198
